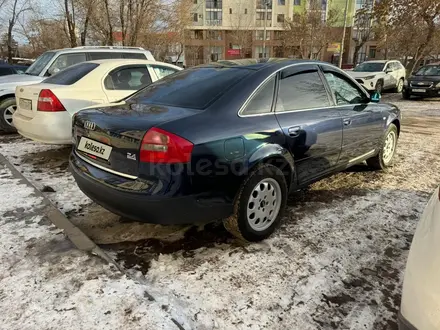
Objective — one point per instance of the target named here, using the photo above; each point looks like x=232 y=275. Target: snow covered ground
x=336 y=262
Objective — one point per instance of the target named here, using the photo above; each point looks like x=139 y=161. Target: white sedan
x=420 y=308
x=44 y=111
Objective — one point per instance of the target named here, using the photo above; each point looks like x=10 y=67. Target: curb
x=76 y=236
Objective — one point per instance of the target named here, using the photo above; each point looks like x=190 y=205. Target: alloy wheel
x=7 y=114
x=389 y=147
x=400 y=86
x=264 y=204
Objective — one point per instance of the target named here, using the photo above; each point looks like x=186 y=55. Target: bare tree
x=69 y=9
x=18 y=7
x=309 y=31
x=241 y=27
x=363 y=23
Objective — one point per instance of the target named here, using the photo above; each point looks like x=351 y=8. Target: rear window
x=193 y=88
x=72 y=74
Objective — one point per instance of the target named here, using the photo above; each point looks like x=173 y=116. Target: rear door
x=363 y=121
x=309 y=120
x=125 y=80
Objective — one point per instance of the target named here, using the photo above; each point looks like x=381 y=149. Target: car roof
x=113 y=49
x=107 y=63
x=260 y=63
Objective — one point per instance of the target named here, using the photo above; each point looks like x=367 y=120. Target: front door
x=312 y=126
x=363 y=122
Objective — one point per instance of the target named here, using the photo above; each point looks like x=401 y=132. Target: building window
x=214 y=4
x=216 y=53
x=213 y=17
x=261 y=4
x=230 y=10
x=245 y=10
x=259 y=35
x=214 y=35
x=260 y=16
x=261 y=53
x=281 y=2
x=372 y=52
x=195 y=17
x=297 y=2
x=280 y=18
x=278 y=35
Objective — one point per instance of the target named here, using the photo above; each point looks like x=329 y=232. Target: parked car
x=20 y=69
x=424 y=83
x=44 y=111
x=229 y=141
x=52 y=62
x=421 y=293
x=380 y=75
x=7 y=69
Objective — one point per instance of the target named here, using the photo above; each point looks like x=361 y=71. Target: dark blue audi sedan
x=229 y=141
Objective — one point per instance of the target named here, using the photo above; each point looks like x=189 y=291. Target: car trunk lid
x=27 y=97
x=110 y=137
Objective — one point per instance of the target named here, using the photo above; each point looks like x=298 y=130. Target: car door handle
x=347 y=122
x=294 y=131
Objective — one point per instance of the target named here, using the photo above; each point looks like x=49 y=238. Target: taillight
x=47 y=101
x=159 y=146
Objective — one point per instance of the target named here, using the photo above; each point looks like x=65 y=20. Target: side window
x=137 y=56
x=261 y=102
x=66 y=60
x=93 y=56
x=131 y=78
x=345 y=91
x=304 y=90
x=162 y=71
x=389 y=67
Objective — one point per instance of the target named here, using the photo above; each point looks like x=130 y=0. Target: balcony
x=261 y=23
x=214 y=22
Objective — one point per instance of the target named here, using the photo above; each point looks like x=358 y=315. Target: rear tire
x=387 y=151
x=7 y=108
x=259 y=205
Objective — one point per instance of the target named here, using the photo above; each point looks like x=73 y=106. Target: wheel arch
x=6 y=96
x=277 y=156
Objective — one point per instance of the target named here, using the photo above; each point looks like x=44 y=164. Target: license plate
x=419 y=90
x=25 y=104
x=94 y=148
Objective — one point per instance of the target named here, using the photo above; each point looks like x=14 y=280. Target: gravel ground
x=336 y=262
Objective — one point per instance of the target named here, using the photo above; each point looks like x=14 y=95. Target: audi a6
x=228 y=141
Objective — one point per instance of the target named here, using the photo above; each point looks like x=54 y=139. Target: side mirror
x=375 y=97
x=388 y=71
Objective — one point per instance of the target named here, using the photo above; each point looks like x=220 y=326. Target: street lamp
x=266 y=4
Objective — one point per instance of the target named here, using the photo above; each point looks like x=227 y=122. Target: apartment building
x=231 y=29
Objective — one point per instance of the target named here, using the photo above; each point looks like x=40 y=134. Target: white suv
x=52 y=62
x=380 y=75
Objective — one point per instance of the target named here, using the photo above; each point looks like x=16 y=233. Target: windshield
x=193 y=88
x=369 y=67
x=36 y=68
x=430 y=70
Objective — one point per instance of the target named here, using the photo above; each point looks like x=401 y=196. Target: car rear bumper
x=145 y=207
x=52 y=128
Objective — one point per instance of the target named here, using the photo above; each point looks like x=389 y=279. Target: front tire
x=379 y=86
x=387 y=151
x=259 y=205
x=399 y=86
x=406 y=95
x=7 y=109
